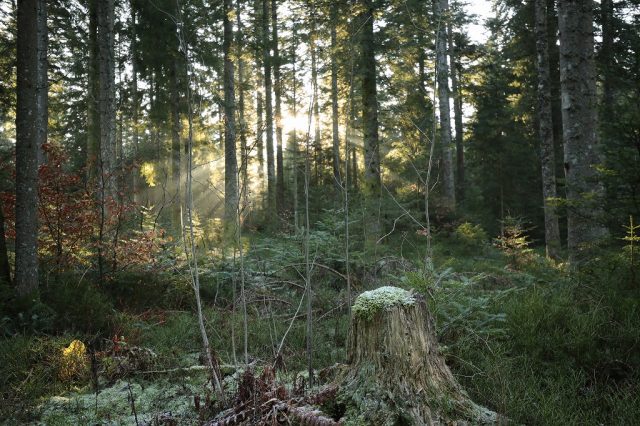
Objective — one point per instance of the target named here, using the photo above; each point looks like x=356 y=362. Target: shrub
x=471 y=235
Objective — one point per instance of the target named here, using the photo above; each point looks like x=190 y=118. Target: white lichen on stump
x=395 y=375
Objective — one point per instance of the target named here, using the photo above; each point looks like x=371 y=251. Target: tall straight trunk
x=277 y=90
x=176 y=145
x=547 y=146
x=370 y=105
x=579 y=118
x=266 y=59
x=607 y=15
x=134 y=103
x=457 y=115
x=317 y=137
x=5 y=267
x=294 y=136
x=42 y=87
x=259 y=81
x=27 y=145
x=335 y=135
x=242 y=125
x=422 y=79
x=93 y=119
x=260 y=135
x=230 y=161
x=442 y=69
x=107 y=96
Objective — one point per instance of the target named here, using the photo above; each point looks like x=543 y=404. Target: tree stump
x=395 y=374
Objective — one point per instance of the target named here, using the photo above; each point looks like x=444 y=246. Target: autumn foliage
x=71 y=221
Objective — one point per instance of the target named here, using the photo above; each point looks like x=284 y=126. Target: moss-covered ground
x=524 y=336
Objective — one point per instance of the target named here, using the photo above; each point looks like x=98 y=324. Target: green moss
x=369 y=303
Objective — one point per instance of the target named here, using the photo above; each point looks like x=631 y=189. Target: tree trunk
x=294 y=135
x=134 y=103
x=578 y=87
x=457 y=115
x=547 y=149
x=93 y=87
x=27 y=145
x=260 y=135
x=277 y=90
x=42 y=87
x=448 y=182
x=334 y=100
x=370 y=121
x=176 y=146
x=266 y=59
x=107 y=96
x=396 y=375
x=244 y=153
x=317 y=148
x=607 y=15
x=230 y=161
x=5 y=267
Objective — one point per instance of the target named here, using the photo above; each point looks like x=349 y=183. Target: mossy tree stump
x=396 y=376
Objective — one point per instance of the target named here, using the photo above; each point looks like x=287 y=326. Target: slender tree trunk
x=317 y=137
x=93 y=87
x=5 y=267
x=271 y=172
x=294 y=135
x=27 y=145
x=448 y=181
x=334 y=99
x=230 y=161
x=607 y=15
x=259 y=102
x=42 y=87
x=260 y=135
x=457 y=115
x=372 y=182
x=277 y=89
x=551 y=228
x=242 y=130
x=176 y=145
x=107 y=95
x=134 y=103
x=578 y=86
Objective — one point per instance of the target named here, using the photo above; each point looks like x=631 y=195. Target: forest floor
x=523 y=336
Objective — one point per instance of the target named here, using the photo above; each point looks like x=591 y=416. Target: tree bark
x=448 y=180
x=230 y=160
x=5 y=267
x=244 y=153
x=317 y=137
x=277 y=90
x=42 y=88
x=335 y=135
x=176 y=146
x=27 y=145
x=457 y=115
x=293 y=141
x=93 y=87
x=578 y=90
x=134 y=103
x=372 y=182
x=607 y=15
x=107 y=96
x=266 y=59
x=545 y=128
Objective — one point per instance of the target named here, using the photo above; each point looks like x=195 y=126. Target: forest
x=316 y=212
